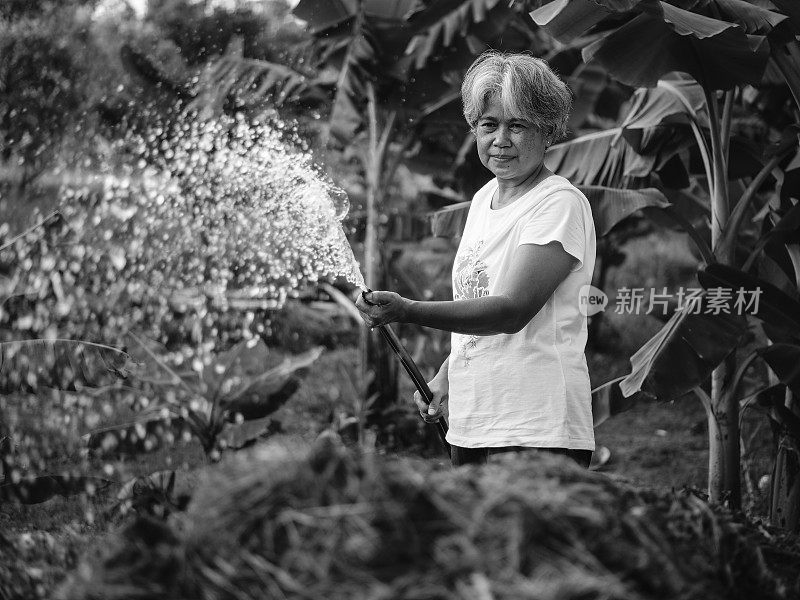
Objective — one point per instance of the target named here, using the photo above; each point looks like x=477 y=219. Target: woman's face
x=510 y=148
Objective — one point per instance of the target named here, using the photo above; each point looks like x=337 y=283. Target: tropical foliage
x=701 y=70
x=726 y=48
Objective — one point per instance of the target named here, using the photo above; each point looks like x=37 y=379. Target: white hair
x=526 y=87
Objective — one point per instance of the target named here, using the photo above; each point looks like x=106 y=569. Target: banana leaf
x=784 y=360
x=136 y=434
x=684 y=352
x=779 y=312
x=566 y=20
x=443 y=29
x=608 y=401
x=240 y=435
x=255 y=396
x=773 y=401
x=659 y=38
x=717 y=54
x=27 y=365
x=44 y=487
x=609 y=207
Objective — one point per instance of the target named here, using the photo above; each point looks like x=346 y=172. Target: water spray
x=224 y=205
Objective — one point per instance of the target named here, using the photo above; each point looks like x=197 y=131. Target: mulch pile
x=335 y=525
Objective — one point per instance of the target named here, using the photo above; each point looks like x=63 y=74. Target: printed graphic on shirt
x=471 y=280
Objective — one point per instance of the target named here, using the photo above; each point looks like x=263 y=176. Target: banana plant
x=723 y=45
x=392 y=90
x=224 y=404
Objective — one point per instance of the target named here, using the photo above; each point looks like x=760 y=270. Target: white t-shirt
x=529 y=388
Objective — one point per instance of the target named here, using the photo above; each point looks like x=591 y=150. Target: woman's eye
x=517 y=127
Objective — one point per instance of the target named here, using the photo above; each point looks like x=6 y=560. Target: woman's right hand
x=438 y=407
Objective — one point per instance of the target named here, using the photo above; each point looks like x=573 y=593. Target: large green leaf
x=133 y=434
x=609 y=207
x=35 y=490
x=674 y=100
x=784 y=360
x=753 y=19
x=255 y=396
x=779 y=312
x=252 y=81
x=785 y=231
x=790 y=8
x=358 y=60
x=144 y=67
x=772 y=400
x=608 y=401
x=450 y=221
x=600 y=158
x=62 y=364
x=322 y=15
x=666 y=38
x=636 y=147
x=567 y=19
x=675 y=216
x=239 y=435
x=721 y=43
x=443 y=29
x=684 y=353
x=587 y=82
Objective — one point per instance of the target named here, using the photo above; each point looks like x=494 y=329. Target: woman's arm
x=535 y=273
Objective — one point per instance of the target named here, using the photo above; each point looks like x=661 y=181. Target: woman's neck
x=509 y=191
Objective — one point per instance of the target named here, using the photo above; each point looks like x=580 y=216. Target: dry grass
x=333 y=525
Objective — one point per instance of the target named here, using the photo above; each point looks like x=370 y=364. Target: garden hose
x=413 y=371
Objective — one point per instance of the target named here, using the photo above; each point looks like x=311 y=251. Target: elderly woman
x=516 y=377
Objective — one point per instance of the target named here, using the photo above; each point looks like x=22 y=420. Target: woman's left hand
x=381 y=308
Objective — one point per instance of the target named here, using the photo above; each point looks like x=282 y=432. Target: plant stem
x=726 y=409
x=44 y=221
x=727 y=113
x=694 y=123
x=716 y=466
x=787 y=60
x=724 y=447
x=738 y=212
x=719 y=200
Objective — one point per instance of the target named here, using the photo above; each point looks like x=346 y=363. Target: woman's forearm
x=441 y=374
x=488 y=315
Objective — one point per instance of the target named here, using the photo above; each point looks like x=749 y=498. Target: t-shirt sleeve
x=558 y=218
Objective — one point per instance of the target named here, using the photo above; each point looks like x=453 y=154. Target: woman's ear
x=550 y=137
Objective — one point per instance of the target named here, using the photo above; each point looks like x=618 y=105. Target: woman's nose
x=501 y=137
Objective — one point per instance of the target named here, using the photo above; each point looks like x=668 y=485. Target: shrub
x=330 y=524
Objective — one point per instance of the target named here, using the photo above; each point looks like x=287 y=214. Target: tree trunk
x=723 y=452
x=716 y=462
x=785 y=493
x=784 y=510
x=377 y=360
x=724 y=456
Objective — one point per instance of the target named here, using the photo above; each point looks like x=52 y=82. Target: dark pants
x=479 y=456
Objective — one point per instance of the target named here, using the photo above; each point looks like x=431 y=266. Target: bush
x=334 y=525
x=40 y=93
